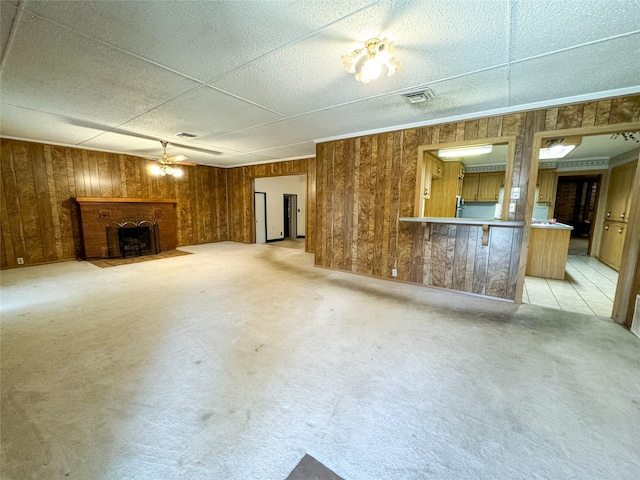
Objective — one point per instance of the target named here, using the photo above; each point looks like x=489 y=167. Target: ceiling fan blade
x=177 y=158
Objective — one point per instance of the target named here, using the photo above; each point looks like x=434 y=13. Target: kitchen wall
x=39 y=221
x=365 y=184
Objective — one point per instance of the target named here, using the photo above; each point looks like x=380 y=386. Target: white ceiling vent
x=417 y=97
x=185 y=135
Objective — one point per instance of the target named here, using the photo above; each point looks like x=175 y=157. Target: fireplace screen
x=130 y=239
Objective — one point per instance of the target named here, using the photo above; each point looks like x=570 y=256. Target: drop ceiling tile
x=541 y=26
x=306 y=149
x=205 y=112
x=220 y=35
x=242 y=159
x=594 y=68
x=461 y=96
x=53 y=69
x=7 y=14
x=277 y=134
x=22 y=123
x=435 y=40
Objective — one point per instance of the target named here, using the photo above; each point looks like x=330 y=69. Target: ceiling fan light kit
x=366 y=63
x=168 y=165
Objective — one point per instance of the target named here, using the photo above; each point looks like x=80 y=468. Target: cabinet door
x=470 y=187
x=546 y=184
x=437 y=166
x=619 y=194
x=611 y=244
x=489 y=187
x=426 y=179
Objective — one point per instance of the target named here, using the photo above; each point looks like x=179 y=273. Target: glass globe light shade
x=371 y=69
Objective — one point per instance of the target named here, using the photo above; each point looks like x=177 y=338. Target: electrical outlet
x=394 y=272
x=20 y=261
x=512 y=207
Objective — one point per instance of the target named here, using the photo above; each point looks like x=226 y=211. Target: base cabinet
x=613 y=234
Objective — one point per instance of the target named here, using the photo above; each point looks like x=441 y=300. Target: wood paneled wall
x=365 y=184
x=39 y=222
x=241 y=221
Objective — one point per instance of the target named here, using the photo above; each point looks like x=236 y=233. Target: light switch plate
x=515 y=193
x=512 y=207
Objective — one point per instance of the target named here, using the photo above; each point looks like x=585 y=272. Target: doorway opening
x=576 y=204
x=290 y=212
x=592 y=183
x=285 y=202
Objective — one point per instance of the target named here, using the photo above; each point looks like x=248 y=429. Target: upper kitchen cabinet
x=619 y=194
x=546 y=185
x=482 y=187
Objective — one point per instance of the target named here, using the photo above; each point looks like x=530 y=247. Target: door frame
x=255 y=216
x=631 y=250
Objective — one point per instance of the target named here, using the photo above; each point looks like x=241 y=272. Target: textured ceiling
x=261 y=80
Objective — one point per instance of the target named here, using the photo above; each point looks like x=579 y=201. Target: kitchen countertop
x=464 y=221
x=555 y=226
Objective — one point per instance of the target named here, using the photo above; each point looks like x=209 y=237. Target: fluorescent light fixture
x=465 y=151
x=557 y=151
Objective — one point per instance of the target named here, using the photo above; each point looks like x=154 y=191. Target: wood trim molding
x=630 y=251
x=622 y=306
x=510 y=141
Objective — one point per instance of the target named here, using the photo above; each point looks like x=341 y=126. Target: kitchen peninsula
x=548 y=249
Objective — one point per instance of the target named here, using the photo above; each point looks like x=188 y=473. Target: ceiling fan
x=169 y=165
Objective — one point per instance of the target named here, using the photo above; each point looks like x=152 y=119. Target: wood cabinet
x=437 y=166
x=432 y=167
x=619 y=194
x=482 y=187
x=546 y=185
x=548 y=249
x=442 y=202
x=611 y=243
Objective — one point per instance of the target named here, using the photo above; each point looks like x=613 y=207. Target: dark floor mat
x=311 y=469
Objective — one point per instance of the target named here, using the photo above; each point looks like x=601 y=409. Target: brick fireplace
x=97 y=215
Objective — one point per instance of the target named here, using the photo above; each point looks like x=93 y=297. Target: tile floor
x=589 y=287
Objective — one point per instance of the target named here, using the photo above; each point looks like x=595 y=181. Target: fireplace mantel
x=123 y=200
x=96 y=213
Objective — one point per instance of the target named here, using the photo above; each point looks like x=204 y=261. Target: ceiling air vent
x=185 y=135
x=417 y=97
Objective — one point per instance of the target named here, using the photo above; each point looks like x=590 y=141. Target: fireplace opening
x=130 y=239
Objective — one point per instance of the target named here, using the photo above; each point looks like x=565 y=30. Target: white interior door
x=260 y=204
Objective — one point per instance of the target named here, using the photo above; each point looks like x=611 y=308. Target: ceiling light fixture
x=167 y=165
x=557 y=151
x=366 y=63
x=163 y=170
x=465 y=151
